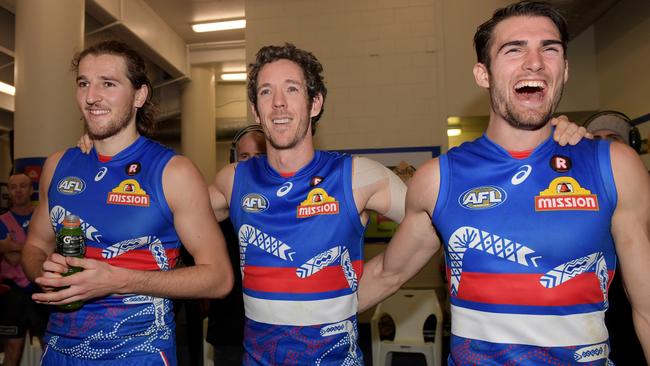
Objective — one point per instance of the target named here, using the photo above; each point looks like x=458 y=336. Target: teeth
x=281 y=120
x=98 y=112
x=531 y=84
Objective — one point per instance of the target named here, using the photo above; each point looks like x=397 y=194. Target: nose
x=279 y=100
x=533 y=62
x=92 y=95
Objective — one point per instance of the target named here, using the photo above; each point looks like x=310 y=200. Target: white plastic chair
x=208 y=351
x=409 y=309
x=31 y=351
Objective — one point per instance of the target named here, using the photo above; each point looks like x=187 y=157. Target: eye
x=293 y=89
x=109 y=84
x=264 y=92
x=513 y=50
x=82 y=84
x=552 y=49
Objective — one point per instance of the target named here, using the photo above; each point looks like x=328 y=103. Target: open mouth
x=530 y=89
x=281 y=121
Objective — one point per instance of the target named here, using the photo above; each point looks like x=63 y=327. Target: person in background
x=137 y=201
x=532 y=229
x=226 y=316
x=18 y=312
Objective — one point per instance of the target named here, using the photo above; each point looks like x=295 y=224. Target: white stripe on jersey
x=300 y=313
x=529 y=329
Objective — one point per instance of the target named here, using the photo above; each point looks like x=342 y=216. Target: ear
x=316 y=105
x=566 y=70
x=481 y=75
x=254 y=112
x=141 y=96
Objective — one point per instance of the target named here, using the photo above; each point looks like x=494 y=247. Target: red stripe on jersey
x=140 y=259
x=525 y=289
x=285 y=279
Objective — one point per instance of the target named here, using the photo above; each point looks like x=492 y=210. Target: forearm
x=32 y=259
x=376 y=284
x=199 y=281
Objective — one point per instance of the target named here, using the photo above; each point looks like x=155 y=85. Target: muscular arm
x=220 y=191
x=631 y=231
x=412 y=245
x=194 y=222
x=378 y=189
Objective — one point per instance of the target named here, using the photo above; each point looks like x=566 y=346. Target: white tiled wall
x=381 y=64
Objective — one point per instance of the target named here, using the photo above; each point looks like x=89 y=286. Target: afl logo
x=71 y=185
x=482 y=197
x=254 y=202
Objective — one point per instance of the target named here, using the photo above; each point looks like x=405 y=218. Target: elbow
x=224 y=286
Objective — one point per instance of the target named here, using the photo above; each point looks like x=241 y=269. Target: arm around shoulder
x=211 y=276
x=631 y=232
x=412 y=245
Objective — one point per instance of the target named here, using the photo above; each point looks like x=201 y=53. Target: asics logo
x=521 y=175
x=286 y=187
x=101 y=173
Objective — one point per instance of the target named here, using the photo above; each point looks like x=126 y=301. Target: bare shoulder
x=629 y=171
x=225 y=177
x=49 y=167
x=182 y=183
x=423 y=188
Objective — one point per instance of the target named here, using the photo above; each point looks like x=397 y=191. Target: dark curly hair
x=483 y=35
x=136 y=71
x=311 y=68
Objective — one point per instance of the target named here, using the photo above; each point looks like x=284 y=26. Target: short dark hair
x=311 y=68
x=136 y=72
x=483 y=35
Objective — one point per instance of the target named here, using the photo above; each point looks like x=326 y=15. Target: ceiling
x=181 y=14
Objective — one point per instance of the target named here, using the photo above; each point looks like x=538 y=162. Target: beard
x=301 y=132
x=528 y=120
x=113 y=127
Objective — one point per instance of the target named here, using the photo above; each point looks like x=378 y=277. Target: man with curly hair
x=300 y=216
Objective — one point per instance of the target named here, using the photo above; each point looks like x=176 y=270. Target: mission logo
x=318 y=202
x=565 y=193
x=128 y=193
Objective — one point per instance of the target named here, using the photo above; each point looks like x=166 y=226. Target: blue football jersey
x=529 y=252
x=301 y=246
x=127 y=223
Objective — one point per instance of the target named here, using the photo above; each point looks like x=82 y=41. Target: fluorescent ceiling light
x=7 y=89
x=454 y=132
x=453 y=120
x=235 y=76
x=219 y=26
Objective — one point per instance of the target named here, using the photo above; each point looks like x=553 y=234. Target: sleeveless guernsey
x=128 y=224
x=529 y=252
x=301 y=245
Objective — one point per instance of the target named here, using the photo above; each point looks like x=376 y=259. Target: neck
x=23 y=210
x=290 y=160
x=514 y=139
x=111 y=146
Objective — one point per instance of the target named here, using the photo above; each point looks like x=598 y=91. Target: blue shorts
x=164 y=358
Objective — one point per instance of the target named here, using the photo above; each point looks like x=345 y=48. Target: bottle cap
x=71 y=220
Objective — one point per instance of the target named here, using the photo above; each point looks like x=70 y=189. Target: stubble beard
x=526 y=120
x=112 y=129
x=297 y=138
